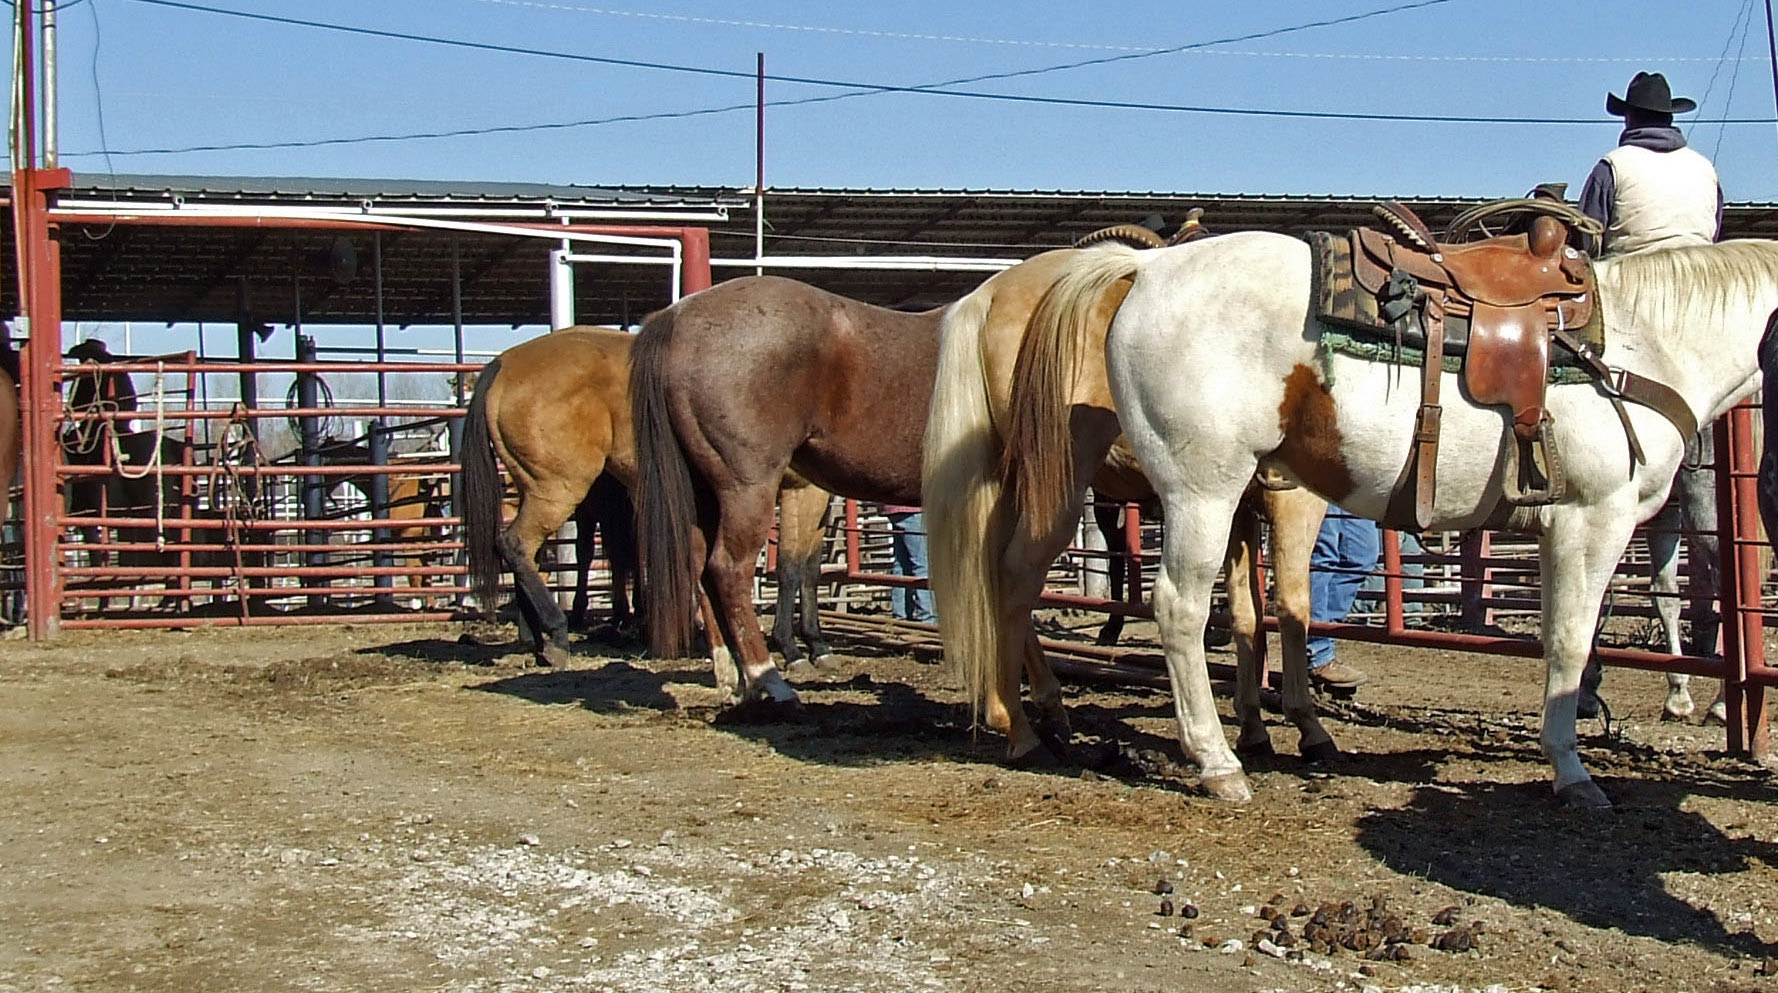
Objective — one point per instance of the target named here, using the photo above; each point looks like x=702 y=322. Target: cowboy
x=92 y=386
x=1652 y=191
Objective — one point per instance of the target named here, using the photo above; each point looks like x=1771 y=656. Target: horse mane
x=1666 y=287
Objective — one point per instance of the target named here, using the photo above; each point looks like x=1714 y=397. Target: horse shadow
x=617 y=686
x=1601 y=869
x=602 y=642
x=442 y=651
x=861 y=720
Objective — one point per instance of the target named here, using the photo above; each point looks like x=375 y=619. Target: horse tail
x=1038 y=459
x=666 y=502
x=616 y=518
x=960 y=491
x=482 y=494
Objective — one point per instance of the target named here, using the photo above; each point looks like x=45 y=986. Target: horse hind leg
x=1296 y=519
x=1696 y=487
x=802 y=537
x=583 y=567
x=1109 y=518
x=745 y=514
x=537 y=519
x=1663 y=584
x=1025 y=559
x=1193 y=549
x=784 y=620
x=1241 y=577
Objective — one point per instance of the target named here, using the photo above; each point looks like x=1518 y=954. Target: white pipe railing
x=913 y=263
x=348 y=216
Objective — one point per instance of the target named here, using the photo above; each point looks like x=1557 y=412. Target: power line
x=734 y=74
x=856 y=89
x=1090 y=46
x=807 y=28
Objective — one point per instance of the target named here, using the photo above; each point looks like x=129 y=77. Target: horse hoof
x=1256 y=749
x=1584 y=795
x=1229 y=786
x=760 y=710
x=553 y=656
x=799 y=670
x=1054 y=743
x=1034 y=759
x=1321 y=753
x=1717 y=715
x=828 y=661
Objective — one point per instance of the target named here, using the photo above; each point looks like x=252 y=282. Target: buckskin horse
x=556 y=412
x=1220 y=363
x=1020 y=425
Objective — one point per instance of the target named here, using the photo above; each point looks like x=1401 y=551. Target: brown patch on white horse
x=1312 y=447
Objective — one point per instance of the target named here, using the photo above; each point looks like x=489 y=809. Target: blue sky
x=172 y=77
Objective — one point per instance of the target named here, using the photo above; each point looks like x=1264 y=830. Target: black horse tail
x=615 y=515
x=482 y=495
x=666 y=503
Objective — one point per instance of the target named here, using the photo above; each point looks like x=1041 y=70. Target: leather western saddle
x=1500 y=303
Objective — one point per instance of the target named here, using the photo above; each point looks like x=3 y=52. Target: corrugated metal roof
x=296 y=189
x=197 y=273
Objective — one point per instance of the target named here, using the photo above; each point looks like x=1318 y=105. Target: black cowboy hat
x=90 y=348
x=1648 y=91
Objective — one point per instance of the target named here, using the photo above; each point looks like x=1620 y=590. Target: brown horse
x=733 y=387
x=1021 y=423
x=556 y=411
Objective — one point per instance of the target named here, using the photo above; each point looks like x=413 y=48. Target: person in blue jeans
x=907 y=544
x=1345 y=554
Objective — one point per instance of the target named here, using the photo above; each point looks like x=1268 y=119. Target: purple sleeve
x=1596 y=196
x=1718 y=236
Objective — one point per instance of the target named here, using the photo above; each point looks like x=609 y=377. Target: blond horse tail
x=1038 y=459
x=960 y=489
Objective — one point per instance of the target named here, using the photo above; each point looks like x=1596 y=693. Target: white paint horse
x=1217 y=369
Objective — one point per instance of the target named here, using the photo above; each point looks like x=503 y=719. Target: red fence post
x=1393 y=619
x=1743 y=619
x=40 y=285
x=695 y=275
x=1133 y=548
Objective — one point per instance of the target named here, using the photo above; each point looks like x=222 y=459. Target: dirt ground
x=383 y=808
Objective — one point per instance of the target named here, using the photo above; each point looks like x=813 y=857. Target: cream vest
x=1664 y=199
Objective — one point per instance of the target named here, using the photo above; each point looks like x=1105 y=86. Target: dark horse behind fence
x=93 y=436
x=9 y=437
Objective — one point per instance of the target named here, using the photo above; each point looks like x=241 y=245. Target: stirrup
x=1533 y=473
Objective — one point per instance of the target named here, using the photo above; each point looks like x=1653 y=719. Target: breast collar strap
x=1625 y=385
